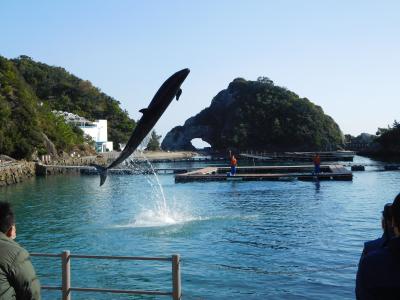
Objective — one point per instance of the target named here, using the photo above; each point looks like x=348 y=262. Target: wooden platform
x=276 y=173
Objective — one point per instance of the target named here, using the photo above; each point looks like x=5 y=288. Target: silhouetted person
x=18 y=279
x=378 y=275
x=387 y=227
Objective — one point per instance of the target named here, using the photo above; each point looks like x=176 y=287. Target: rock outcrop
x=258 y=115
x=14 y=172
x=205 y=125
x=49 y=146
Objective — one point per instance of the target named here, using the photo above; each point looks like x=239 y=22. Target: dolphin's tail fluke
x=102 y=171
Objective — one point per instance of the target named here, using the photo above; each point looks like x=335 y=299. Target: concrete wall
x=98 y=132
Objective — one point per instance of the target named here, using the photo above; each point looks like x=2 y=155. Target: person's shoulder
x=380 y=273
x=371 y=268
x=379 y=253
x=6 y=243
x=374 y=244
x=377 y=260
x=10 y=250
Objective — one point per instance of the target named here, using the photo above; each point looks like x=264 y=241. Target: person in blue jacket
x=387 y=228
x=378 y=275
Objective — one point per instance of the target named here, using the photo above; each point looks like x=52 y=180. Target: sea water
x=237 y=240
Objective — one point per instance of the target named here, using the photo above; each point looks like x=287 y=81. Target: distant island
x=258 y=115
x=30 y=91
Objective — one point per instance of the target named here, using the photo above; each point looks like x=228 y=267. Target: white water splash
x=160 y=188
x=160 y=214
x=156 y=211
x=150 y=218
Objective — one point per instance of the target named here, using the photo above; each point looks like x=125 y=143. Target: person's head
x=387 y=223
x=396 y=215
x=7 y=220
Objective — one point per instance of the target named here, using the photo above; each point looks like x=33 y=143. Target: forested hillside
x=29 y=90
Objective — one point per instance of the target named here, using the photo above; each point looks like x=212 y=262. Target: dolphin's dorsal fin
x=178 y=94
x=143 y=110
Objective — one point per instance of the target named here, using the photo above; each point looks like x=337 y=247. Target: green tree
x=389 y=138
x=154 y=142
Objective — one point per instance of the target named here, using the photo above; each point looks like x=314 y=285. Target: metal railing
x=66 y=287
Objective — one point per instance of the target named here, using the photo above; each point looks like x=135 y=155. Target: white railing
x=66 y=287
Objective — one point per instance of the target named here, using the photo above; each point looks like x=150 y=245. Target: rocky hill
x=258 y=115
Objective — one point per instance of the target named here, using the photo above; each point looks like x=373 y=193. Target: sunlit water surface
x=237 y=240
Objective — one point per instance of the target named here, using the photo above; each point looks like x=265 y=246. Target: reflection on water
x=317 y=186
x=240 y=240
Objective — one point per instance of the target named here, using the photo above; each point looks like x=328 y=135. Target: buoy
x=358 y=168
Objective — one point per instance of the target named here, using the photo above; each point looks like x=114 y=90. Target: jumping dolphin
x=171 y=88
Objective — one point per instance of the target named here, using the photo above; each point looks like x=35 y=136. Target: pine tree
x=154 y=142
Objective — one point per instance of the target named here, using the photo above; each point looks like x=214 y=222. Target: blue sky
x=342 y=55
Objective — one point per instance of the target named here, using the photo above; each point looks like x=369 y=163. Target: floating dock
x=299 y=156
x=275 y=173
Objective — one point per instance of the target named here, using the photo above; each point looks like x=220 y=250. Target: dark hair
x=6 y=217
x=396 y=211
x=387 y=220
x=387 y=212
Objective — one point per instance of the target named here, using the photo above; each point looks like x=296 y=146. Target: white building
x=98 y=132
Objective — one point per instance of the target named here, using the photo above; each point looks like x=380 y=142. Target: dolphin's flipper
x=102 y=171
x=178 y=94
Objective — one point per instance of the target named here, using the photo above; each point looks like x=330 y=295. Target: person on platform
x=378 y=275
x=317 y=164
x=18 y=279
x=387 y=227
x=233 y=164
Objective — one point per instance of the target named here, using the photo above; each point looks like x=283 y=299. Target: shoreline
x=15 y=171
x=153 y=155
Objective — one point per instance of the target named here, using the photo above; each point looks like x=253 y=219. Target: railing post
x=66 y=275
x=176 y=278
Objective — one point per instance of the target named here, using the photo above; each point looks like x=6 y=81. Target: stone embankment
x=16 y=171
x=81 y=161
x=68 y=166
x=13 y=171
